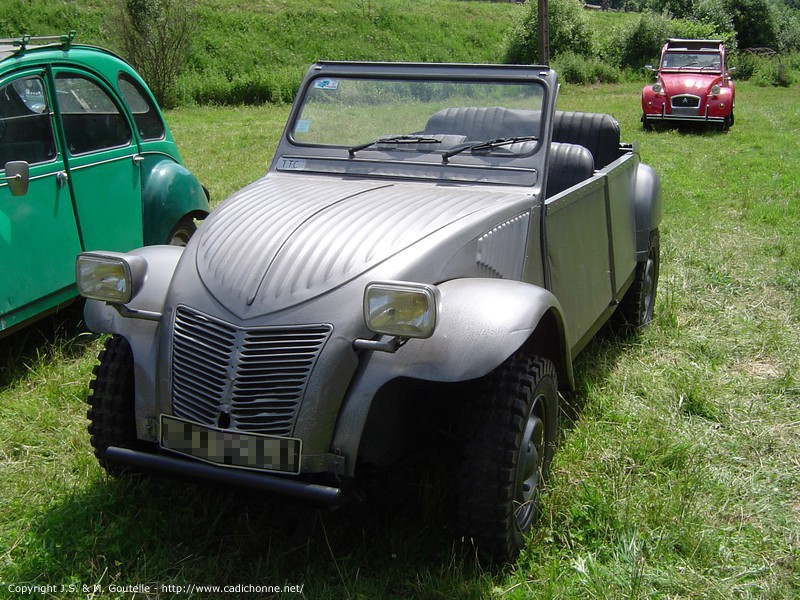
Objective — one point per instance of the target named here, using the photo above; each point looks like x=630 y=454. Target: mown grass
x=677 y=473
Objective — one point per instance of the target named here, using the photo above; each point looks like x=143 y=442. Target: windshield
x=424 y=117
x=703 y=61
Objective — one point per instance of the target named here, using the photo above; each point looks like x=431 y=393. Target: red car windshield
x=692 y=61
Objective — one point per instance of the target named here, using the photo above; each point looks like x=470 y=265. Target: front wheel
x=111 y=411
x=510 y=440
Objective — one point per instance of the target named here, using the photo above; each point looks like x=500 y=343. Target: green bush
x=576 y=69
x=277 y=86
x=640 y=43
x=754 y=22
x=787 y=27
x=569 y=31
x=769 y=70
x=155 y=36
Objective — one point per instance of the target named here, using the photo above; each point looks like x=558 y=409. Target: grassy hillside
x=245 y=52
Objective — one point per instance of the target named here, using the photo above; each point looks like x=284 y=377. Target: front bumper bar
x=663 y=116
x=179 y=467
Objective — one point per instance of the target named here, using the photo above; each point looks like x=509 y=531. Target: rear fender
x=169 y=193
x=142 y=334
x=649 y=207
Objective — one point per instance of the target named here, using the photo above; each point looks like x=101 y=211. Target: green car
x=86 y=162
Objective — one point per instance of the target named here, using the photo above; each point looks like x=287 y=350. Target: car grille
x=247 y=379
x=685 y=105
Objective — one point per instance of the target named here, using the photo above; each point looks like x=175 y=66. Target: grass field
x=678 y=469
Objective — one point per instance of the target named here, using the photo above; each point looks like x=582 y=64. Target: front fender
x=481 y=323
x=170 y=192
x=142 y=334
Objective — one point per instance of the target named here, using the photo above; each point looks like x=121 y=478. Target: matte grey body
x=296 y=249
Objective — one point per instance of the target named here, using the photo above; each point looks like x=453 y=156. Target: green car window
x=26 y=132
x=145 y=114
x=92 y=121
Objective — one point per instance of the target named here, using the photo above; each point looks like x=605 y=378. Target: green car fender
x=171 y=197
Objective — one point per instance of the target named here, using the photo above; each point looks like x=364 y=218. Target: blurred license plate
x=229 y=448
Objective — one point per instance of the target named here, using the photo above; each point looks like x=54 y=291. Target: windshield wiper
x=487 y=145
x=394 y=139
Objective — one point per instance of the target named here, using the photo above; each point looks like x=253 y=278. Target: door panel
x=103 y=175
x=39 y=237
x=578 y=256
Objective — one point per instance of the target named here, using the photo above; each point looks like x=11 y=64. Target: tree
x=155 y=37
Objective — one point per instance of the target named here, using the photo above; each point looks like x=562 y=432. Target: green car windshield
x=424 y=116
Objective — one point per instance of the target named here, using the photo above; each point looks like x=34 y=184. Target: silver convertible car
x=427 y=236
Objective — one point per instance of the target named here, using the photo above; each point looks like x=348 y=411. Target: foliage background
x=245 y=53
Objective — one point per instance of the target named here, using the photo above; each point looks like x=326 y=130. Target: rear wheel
x=637 y=306
x=182 y=232
x=511 y=436
x=111 y=411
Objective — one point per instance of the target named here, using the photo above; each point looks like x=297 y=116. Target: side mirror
x=649 y=67
x=18 y=177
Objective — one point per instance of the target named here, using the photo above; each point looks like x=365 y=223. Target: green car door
x=103 y=160
x=39 y=235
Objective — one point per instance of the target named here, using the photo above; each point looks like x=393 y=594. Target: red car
x=693 y=85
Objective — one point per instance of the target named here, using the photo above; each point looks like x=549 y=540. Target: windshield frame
x=405 y=159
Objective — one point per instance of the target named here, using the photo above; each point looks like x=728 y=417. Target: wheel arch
x=649 y=208
x=170 y=193
x=482 y=323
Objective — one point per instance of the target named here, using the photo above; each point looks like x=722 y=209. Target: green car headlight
x=405 y=310
x=109 y=276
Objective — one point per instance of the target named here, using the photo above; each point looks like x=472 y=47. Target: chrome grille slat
x=255 y=376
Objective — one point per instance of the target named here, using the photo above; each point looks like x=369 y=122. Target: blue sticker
x=302 y=126
x=326 y=84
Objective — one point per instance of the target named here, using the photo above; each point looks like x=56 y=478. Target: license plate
x=231 y=449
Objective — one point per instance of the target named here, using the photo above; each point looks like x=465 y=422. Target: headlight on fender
x=109 y=276
x=657 y=88
x=406 y=310
x=715 y=90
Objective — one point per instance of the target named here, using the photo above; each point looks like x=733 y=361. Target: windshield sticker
x=291 y=164
x=302 y=126
x=326 y=84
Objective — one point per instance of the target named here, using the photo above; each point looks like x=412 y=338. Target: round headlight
x=715 y=89
x=657 y=88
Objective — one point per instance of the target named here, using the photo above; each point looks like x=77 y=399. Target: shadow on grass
x=397 y=543
x=58 y=335
x=689 y=128
x=597 y=360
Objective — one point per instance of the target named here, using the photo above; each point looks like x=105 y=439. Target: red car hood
x=688 y=83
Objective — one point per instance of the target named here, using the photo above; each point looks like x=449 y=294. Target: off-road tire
x=637 y=306
x=111 y=411
x=510 y=438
